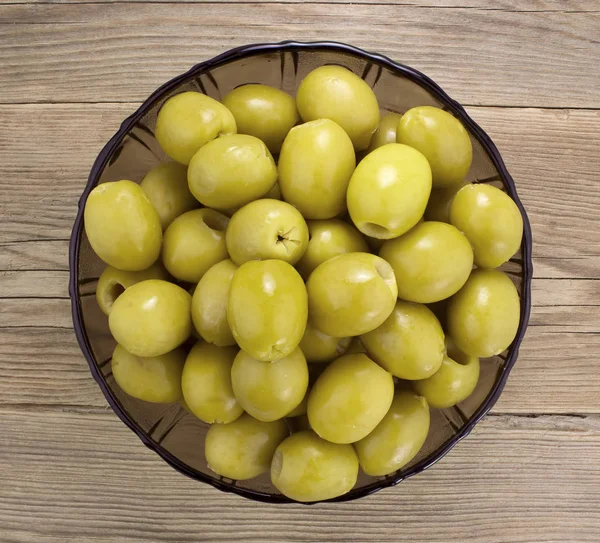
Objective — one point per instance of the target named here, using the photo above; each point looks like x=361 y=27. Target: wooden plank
x=34 y=255
x=583 y=267
x=103 y=485
x=556 y=180
x=566 y=318
x=573 y=6
x=556 y=372
x=36 y=339
x=494 y=57
x=35 y=313
x=44 y=366
x=567 y=292
x=26 y=284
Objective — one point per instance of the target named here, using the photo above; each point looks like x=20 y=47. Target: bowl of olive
x=300 y=272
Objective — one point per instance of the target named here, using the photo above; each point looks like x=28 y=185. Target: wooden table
x=529 y=73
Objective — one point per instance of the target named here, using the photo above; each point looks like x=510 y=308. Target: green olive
x=315 y=165
x=307 y=468
x=329 y=238
x=397 y=438
x=454 y=382
x=231 y=171
x=409 y=344
x=206 y=383
x=194 y=242
x=351 y=294
x=189 y=120
x=267 y=229
x=243 y=448
x=209 y=304
x=388 y=192
x=349 y=399
x=491 y=221
x=264 y=112
x=431 y=262
x=113 y=282
x=438 y=207
x=167 y=188
x=483 y=317
x=151 y=318
x=333 y=92
x=267 y=308
x=319 y=347
x=153 y=379
x=386 y=133
x=269 y=390
x=122 y=226
x=442 y=139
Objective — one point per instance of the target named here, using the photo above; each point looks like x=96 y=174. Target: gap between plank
x=542 y=257
x=41 y=240
x=137 y=104
x=57 y=269
x=91 y=294
x=95 y=410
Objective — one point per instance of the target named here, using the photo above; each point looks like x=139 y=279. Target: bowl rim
x=281 y=47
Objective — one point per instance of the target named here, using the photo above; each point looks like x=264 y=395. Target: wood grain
x=493 y=57
x=567 y=292
x=554 y=373
x=583 y=267
x=26 y=284
x=103 y=485
x=36 y=312
x=44 y=366
x=34 y=255
x=560 y=319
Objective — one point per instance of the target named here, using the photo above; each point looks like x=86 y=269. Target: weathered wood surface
x=560 y=6
x=85 y=477
x=100 y=52
x=71 y=71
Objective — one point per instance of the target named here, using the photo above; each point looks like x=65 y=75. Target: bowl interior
x=177 y=435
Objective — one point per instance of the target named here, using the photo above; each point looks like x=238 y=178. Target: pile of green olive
x=304 y=281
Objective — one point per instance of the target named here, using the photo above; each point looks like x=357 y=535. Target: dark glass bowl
x=177 y=436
